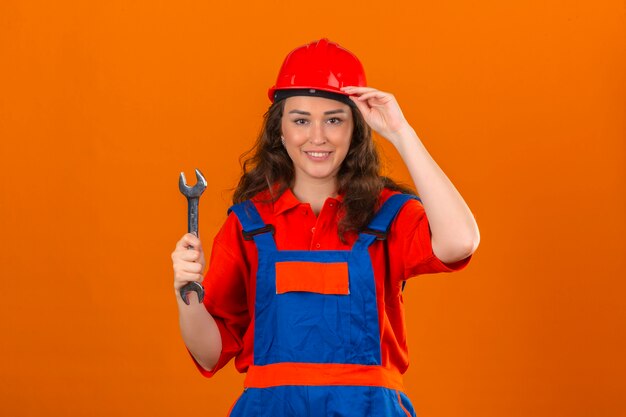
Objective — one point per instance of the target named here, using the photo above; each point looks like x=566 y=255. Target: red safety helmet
x=319 y=65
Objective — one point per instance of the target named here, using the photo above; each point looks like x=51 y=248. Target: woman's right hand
x=188 y=263
x=197 y=327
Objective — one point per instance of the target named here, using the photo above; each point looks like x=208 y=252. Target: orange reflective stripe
x=321 y=278
x=402 y=405
x=289 y=373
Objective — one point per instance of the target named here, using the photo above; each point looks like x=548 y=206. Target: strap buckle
x=250 y=235
x=379 y=235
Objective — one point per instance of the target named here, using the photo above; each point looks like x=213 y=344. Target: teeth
x=318 y=154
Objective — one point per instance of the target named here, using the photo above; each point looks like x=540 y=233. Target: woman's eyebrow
x=306 y=113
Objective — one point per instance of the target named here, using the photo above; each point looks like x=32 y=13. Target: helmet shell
x=321 y=65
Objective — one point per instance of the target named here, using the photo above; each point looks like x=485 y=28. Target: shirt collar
x=288 y=200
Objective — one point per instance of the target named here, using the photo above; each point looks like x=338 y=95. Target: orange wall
x=103 y=103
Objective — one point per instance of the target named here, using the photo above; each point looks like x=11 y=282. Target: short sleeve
x=225 y=293
x=410 y=234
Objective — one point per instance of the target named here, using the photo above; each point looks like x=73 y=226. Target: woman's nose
x=317 y=134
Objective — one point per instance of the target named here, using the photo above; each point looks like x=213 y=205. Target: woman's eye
x=332 y=120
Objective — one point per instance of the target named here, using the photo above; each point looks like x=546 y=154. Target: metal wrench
x=193 y=196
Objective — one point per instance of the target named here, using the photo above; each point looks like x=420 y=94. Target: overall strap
x=253 y=226
x=380 y=224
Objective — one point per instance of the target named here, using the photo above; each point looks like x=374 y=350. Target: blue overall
x=309 y=329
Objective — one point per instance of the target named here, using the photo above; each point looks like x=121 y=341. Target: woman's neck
x=315 y=192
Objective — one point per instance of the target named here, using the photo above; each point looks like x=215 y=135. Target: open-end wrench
x=193 y=196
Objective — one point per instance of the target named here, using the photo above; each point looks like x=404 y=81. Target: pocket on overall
x=313 y=311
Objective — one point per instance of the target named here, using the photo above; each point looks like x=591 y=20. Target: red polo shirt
x=230 y=280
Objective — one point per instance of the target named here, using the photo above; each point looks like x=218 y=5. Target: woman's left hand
x=380 y=110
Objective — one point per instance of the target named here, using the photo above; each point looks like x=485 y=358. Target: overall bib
x=317 y=349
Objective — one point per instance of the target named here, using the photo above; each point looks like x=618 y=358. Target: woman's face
x=317 y=133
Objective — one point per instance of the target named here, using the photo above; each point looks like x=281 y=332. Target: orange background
x=103 y=103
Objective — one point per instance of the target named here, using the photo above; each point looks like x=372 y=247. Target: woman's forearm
x=199 y=332
x=455 y=233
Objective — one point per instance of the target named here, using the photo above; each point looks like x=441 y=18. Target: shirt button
x=312 y=229
x=331 y=204
x=317 y=245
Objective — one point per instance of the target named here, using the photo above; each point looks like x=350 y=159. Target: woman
x=305 y=283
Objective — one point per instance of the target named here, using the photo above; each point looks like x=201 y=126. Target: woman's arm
x=197 y=327
x=199 y=332
x=455 y=234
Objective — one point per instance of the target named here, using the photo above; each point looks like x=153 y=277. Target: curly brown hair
x=268 y=167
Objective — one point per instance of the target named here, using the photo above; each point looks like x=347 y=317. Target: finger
x=355 y=89
x=189 y=255
x=190 y=267
x=184 y=277
x=189 y=239
x=375 y=94
x=183 y=254
x=193 y=240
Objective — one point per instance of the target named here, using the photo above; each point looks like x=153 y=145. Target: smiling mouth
x=318 y=154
